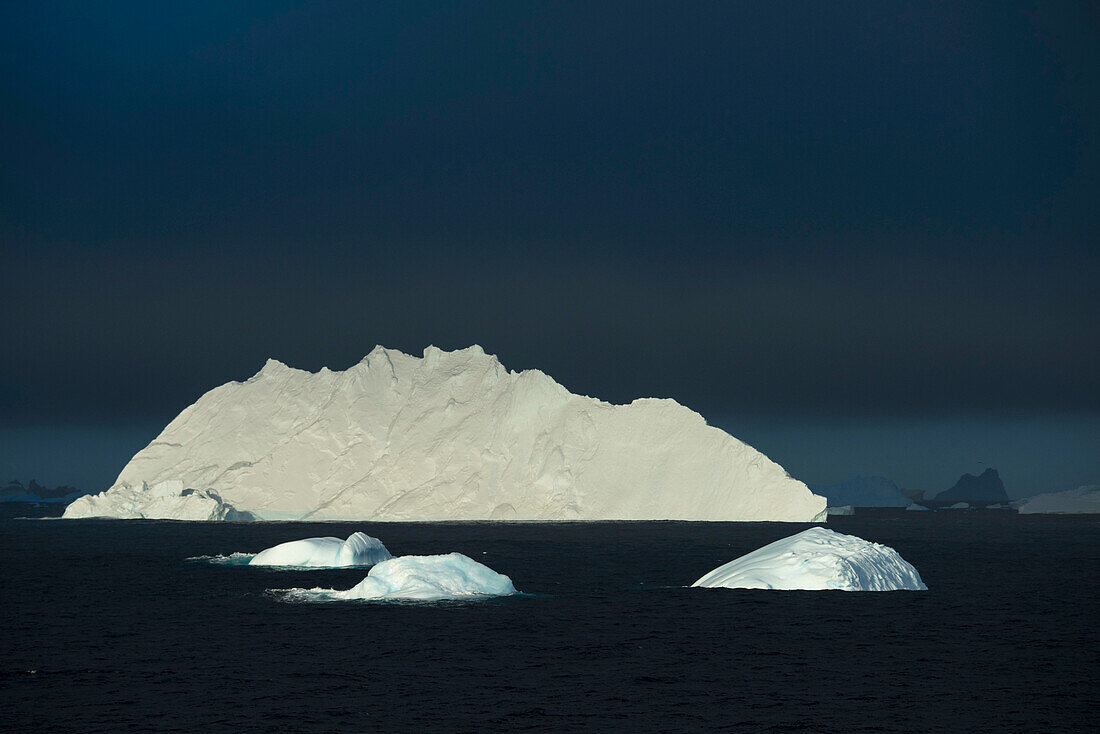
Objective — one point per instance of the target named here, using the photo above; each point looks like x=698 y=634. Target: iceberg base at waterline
x=420 y=578
x=359 y=549
x=167 y=500
x=818 y=559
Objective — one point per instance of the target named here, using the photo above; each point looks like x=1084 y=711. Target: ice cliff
x=818 y=559
x=453 y=435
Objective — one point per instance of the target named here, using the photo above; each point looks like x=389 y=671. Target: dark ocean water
x=108 y=628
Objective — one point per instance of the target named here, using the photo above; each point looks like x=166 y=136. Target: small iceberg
x=914 y=507
x=359 y=549
x=959 y=506
x=818 y=559
x=418 y=578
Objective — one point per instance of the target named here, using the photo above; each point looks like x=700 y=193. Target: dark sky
x=799 y=219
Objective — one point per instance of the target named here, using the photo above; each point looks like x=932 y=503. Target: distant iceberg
x=447 y=436
x=818 y=559
x=1080 y=501
x=860 y=491
x=959 y=506
x=14 y=491
x=167 y=500
x=421 y=578
x=359 y=549
x=914 y=507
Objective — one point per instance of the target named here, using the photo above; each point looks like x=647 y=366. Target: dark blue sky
x=795 y=218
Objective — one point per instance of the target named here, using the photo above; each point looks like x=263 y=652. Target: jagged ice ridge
x=452 y=435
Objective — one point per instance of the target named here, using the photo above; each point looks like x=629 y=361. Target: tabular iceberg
x=1083 y=500
x=359 y=549
x=454 y=435
x=450 y=576
x=818 y=559
x=164 y=500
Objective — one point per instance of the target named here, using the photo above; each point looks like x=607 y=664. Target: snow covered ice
x=818 y=559
x=430 y=577
x=453 y=436
x=164 y=500
x=359 y=549
x=422 y=578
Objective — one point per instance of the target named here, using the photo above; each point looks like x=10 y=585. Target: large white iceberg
x=451 y=576
x=164 y=500
x=1083 y=500
x=818 y=559
x=455 y=435
x=359 y=549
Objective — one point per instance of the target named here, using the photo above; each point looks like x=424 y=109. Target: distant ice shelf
x=1080 y=501
x=818 y=559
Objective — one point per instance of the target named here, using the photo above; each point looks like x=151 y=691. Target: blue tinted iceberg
x=359 y=549
x=818 y=559
x=451 y=576
x=859 y=491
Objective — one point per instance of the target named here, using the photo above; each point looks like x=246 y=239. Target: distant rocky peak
x=986 y=487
